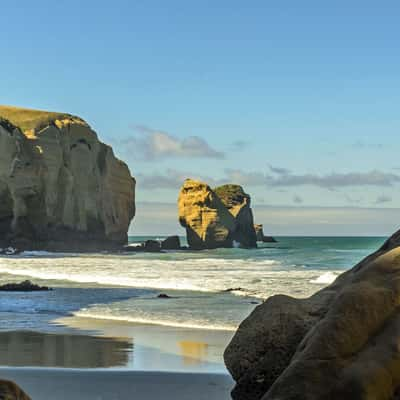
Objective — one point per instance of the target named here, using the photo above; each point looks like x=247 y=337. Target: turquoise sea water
x=213 y=289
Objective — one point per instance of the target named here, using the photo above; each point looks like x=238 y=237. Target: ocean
x=213 y=289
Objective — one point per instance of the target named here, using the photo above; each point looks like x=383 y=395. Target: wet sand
x=61 y=384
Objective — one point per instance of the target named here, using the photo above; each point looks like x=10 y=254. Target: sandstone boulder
x=260 y=235
x=10 y=391
x=216 y=218
x=60 y=187
x=341 y=343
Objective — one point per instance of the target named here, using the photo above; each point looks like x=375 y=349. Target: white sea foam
x=256 y=277
x=324 y=279
x=150 y=321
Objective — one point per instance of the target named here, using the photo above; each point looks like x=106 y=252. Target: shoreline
x=90 y=343
x=174 y=348
x=51 y=384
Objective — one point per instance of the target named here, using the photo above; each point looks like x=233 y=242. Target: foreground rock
x=10 y=391
x=60 y=187
x=216 y=218
x=25 y=286
x=341 y=343
x=260 y=235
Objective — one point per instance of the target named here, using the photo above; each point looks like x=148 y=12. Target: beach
x=61 y=384
x=104 y=331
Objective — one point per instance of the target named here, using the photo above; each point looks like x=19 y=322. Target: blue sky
x=297 y=101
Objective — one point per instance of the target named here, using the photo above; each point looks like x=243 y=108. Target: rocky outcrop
x=60 y=187
x=171 y=243
x=260 y=235
x=341 y=343
x=216 y=218
x=10 y=391
x=25 y=286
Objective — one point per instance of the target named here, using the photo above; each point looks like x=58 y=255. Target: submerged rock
x=10 y=391
x=60 y=187
x=216 y=218
x=25 y=286
x=260 y=235
x=341 y=343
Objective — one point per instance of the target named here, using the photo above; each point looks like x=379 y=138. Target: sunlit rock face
x=341 y=343
x=60 y=187
x=216 y=218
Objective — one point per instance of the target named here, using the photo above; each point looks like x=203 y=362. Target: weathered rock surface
x=60 y=187
x=25 y=286
x=260 y=235
x=10 y=391
x=216 y=218
x=341 y=343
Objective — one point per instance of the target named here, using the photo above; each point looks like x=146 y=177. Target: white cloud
x=151 y=144
x=334 y=180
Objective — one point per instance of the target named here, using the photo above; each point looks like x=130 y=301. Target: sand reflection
x=62 y=350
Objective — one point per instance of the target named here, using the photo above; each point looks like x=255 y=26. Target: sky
x=296 y=101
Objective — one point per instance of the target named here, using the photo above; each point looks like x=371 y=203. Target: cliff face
x=216 y=218
x=59 y=185
x=341 y=343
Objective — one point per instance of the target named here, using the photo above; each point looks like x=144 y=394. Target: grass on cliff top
x=230 y=193
x=27 y=119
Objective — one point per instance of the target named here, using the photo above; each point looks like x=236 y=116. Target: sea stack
x=341 y=343
x=260 y=234
x=216 y=218
x=60 y=187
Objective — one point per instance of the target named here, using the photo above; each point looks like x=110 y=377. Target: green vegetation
x=27 y=119
x=230 y=194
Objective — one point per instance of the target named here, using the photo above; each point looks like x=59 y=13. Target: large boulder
x=341 y=343
x=10 y=391
x=60 y=187
x=216 y=218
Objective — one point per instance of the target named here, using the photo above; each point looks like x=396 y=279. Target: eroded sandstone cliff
x=342 y=343
x=216 y=218
x=60 y=187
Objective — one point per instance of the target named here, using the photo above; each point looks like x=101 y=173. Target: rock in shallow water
x=216 y=218
x=341 y=343
x=260 y=235
x=60 y=187
x=171 y=243
x=25 y=286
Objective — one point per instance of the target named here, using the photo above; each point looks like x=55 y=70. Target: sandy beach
x=62 y=384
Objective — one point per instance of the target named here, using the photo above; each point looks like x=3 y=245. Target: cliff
x=341 y=343
x=216 y=218
x=60 y=187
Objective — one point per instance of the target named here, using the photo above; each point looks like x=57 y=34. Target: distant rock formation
x=341 y=343
x=171 y=243
x=25 y=286
x=260 y=235
x=60 y=187
x=10 y=391
x=216 y=218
